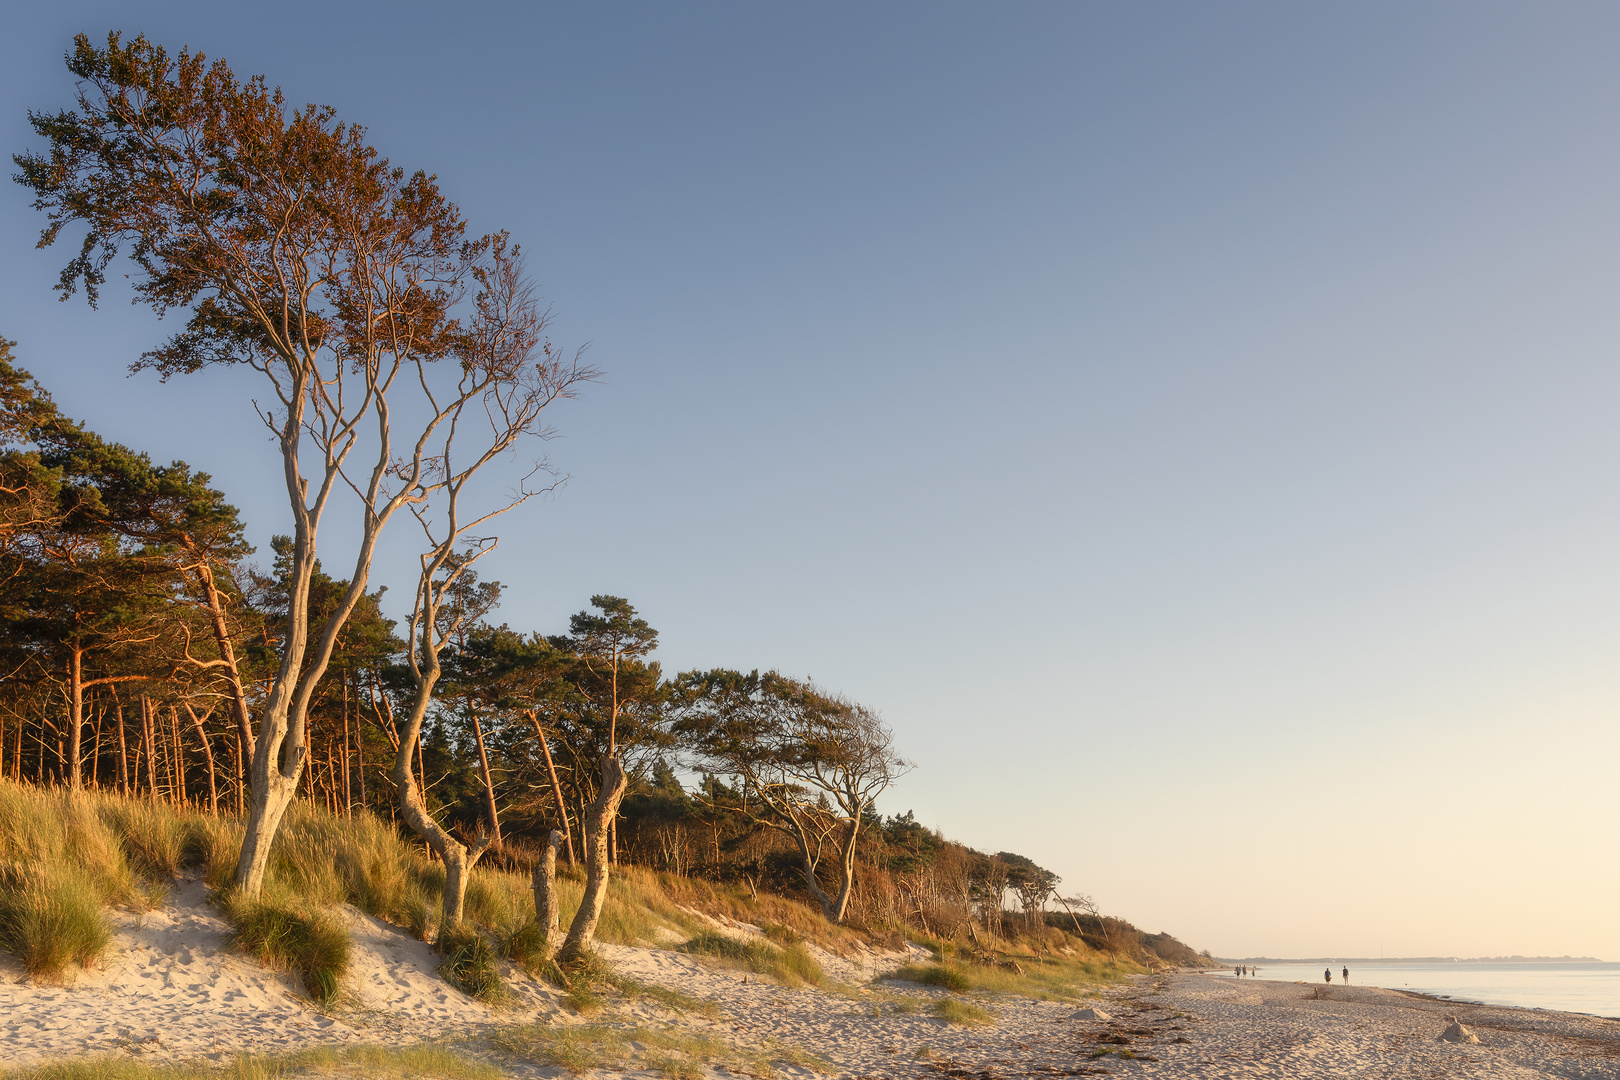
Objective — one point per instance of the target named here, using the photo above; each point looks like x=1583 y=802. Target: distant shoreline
x=1271 y=1028
x=1412 y=960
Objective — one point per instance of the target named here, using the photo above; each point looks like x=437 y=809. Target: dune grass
x=65 y=859
x=674 y=1000
x=290 y=937
x=950 y=976
x=585 y=1048
x=962 y=1013
x=1045 y=978
x=51 y=918
x=60 y=866
x=790 y=966
x=469 y=966
x=427 y=1061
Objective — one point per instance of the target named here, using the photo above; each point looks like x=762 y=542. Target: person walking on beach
x=1327 y=973
x=1347 y=975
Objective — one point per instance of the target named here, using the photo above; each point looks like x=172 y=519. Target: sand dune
x=171 y=990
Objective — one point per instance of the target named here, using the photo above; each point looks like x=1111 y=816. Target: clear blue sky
x=1192 y=426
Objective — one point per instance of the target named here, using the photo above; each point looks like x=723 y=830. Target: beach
x=172 y=991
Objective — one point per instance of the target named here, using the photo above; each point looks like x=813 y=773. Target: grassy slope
x=64 y=860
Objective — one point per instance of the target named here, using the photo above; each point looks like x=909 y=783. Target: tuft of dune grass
x=962 y=1013
x=51 y=918
x=1045 y=978
x=791 y=966
x=470 y=966
x=281 y=934
x=949 y=976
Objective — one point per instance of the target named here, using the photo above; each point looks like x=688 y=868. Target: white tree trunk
x=583 y=929
x=545 y=891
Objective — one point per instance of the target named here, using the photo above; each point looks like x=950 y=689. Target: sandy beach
x=172 y=991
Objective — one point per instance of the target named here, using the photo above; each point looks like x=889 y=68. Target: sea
x=1567 y=986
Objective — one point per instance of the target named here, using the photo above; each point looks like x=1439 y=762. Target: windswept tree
x=299 y=252
x=811 y=765
x=509 y=373
x=613 y=676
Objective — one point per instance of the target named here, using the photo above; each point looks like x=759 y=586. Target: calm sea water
x=1573 y=987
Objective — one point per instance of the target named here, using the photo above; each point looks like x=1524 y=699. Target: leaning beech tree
x=509 y=373
x=299 y=252
x=811 y=764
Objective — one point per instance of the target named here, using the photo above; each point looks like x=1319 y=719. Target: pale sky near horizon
x=1191 y=426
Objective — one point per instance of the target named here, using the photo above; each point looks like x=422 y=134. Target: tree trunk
x=222 y=638
x=240 y=804
x=148 y=746
x=270 y=793
x=458 y=857
x=360 y=756
x=556 y=786
x=179 y=749
x=123 y=748
x=75 y=777
x=847 y=869
x=489 y=783
x=545 y=890
x=208 y=754
x=95 y=751
x=614 y=783
x=347 y=780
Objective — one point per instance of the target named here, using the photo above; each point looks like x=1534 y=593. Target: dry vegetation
x=64 y=859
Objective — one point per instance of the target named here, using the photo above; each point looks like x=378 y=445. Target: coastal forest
x=152 y=654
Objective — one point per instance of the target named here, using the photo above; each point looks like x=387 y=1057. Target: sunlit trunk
x=583 y=929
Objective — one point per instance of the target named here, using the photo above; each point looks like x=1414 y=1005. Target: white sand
x=170 y=990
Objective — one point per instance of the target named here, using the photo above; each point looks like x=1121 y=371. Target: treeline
x=139 y=638
x=400 y=354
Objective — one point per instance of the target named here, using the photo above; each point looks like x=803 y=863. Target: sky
x=1191 y=427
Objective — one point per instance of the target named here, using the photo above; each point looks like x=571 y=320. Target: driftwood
x=989 y=959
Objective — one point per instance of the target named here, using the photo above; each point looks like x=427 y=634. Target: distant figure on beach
x=1237 y=972
x=1327 y=973
x=1347 y=975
